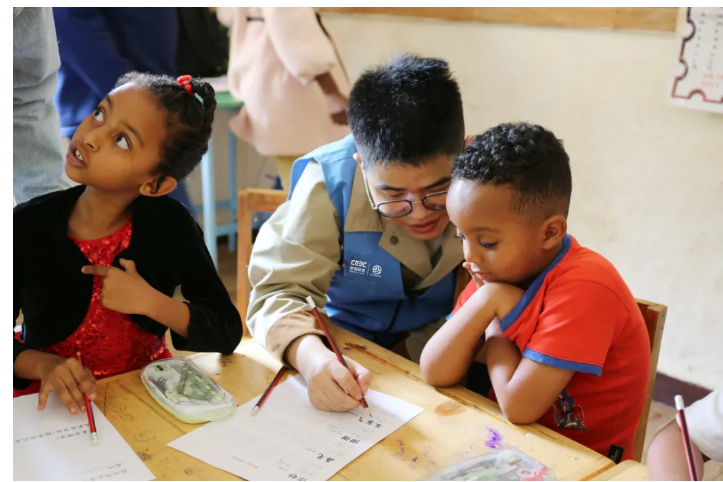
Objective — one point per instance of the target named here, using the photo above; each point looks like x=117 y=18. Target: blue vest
x=367 y=295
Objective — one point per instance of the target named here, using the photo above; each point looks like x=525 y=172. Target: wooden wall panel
x=628 y=18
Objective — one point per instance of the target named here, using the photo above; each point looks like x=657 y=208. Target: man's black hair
x=407 y=111
x=527 y=157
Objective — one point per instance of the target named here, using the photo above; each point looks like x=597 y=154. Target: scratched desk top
x=456 y=424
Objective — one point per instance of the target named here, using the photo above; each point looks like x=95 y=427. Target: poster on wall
x=697 y=80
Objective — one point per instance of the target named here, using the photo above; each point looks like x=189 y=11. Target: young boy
x=365 y=232
x=666 y=455
x=566 y=343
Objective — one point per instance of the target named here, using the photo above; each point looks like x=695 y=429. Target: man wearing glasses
x=365 y=231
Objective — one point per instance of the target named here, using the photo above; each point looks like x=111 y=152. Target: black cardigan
x=168 y=249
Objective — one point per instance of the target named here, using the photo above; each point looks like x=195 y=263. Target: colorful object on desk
x=338 y=354
x=505 y=464
x=185 y=392
x=89 y=411
x=271 y=386
x=680 y=407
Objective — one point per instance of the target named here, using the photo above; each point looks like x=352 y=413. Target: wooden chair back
x=654 y=315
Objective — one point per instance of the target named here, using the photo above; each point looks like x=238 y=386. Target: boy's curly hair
x=525 y=156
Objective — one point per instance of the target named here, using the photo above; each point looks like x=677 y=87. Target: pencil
x=327 y=332
x=680 y=407
x=89 y=412
x=271 y=386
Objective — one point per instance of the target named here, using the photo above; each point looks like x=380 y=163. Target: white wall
x=647 y=177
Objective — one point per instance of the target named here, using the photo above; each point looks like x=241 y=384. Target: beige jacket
x=273 y=62
x=297 y=252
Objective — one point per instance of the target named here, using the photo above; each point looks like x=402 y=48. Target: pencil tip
x=369 y=411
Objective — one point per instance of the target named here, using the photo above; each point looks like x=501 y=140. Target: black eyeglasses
x=436 y=201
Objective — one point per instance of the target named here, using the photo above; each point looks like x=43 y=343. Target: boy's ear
x=554 y=229
x=357 y=158
x=158 y=186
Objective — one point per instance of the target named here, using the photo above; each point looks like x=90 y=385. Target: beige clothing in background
x=283 y=169
x=297 y=252
x=273 y=63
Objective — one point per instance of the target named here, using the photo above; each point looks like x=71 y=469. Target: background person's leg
x=37 y=158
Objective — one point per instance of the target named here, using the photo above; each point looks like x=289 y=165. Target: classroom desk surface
x=456 y=424
x=628 y=470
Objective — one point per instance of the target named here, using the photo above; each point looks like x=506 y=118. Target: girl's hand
x=124 y=290
x=67 y=377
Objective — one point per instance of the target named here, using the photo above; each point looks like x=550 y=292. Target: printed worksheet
x=289 y=439
x=55 y=445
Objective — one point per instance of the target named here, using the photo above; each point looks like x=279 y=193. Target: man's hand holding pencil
x=331 y=386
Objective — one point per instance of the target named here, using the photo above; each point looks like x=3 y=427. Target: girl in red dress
x=96 y=266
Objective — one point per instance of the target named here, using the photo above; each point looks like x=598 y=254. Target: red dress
x=108 y=341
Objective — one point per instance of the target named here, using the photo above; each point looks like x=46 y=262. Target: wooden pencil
x=334 y=347
x=271 y=386
x=689 y=455
x=89 y=411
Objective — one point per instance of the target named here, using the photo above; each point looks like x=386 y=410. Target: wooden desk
x=628 y=470
x=449 y=430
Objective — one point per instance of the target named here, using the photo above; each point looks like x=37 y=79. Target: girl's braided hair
x=188 y=120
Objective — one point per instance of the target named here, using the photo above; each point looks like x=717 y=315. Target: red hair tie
x=185 y=82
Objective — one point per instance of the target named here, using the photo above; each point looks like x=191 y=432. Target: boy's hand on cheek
x=124 y=290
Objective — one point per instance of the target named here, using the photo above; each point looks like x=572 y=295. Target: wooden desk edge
x=622 y=468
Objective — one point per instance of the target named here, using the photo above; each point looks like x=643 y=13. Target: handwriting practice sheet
x=289 y=439
x=55 y=445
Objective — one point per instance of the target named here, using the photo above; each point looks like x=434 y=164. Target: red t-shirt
x=579 y=314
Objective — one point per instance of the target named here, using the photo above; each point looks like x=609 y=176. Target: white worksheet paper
x=289 y=439
x=55 y=445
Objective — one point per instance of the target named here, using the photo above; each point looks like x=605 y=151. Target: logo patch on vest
x=358 y=267
x=364 y=268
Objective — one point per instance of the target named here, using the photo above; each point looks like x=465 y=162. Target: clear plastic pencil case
x=505 y=464
x=181 y=388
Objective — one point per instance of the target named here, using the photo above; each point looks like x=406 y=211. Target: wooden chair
x=654 y=315
x=250 y=201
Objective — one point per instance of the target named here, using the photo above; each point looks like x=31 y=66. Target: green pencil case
x=184 y=391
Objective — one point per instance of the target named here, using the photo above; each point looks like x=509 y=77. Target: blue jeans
x=37 y=158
